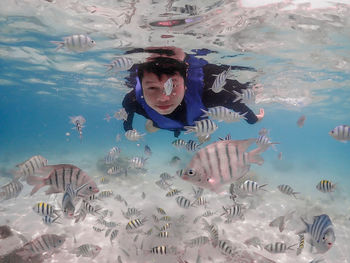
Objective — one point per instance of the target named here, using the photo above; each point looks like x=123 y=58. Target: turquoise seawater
x=301 y=56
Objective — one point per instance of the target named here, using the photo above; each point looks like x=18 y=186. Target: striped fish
x=105 y=194
x=108 y=224
x=213 y=231
x=321 y=231
x=138 y=162
x=134 y=135
x=202 y=127
x=187 y=9
x=220 y=81
x=325 y=186
x=135 y=223
x=131 y=212
x=161 y=211
x=251 y=186
x=163 y=234
x=341 y=133
x=166 y=176
x=183 y=202
x=165 y=218
x=173 y=192
x=42 y=244
x=179 y=143
x=264 y=142
x=221 y=113
x=197 y=192
x=48 y=220
x=278 y=247
x=226 y=138
x=58 y=176
x=301 y=244
x=192 y=146
x=226 y=247
x=220 y=163
x=114 y=234
x=45 y=209
x=78 y=122
x=30 y=166
x=162 y=250
x=120 y=64
x=97 y=229
x=163 y=184
x=11 y=190
x=87 y=250
x=165 y=227
x=200 y=201
x=196 y=242
x=121 y=114
x=234 y=211
x=247 y=96
x=75 y=43
x=286 y=189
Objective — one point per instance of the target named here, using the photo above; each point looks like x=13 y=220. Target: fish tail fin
x=189 y=129
x=239 y=96
x=254 y=157
x=290 y=247
x=261 y=186
x=37 y=181
x=206 y=113
x=60 y=44
x=294 y=194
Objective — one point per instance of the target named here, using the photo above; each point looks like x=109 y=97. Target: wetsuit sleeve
x=224 y=98
x=129 y=106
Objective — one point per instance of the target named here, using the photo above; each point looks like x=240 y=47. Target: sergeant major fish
x=341 y=133
x=202 y=128
x=134 y=135
x=321 y=231
x=220 y=163
x=58 y=176
x=30 y=166
x=221 y=113
x=120 y=64
x=76 y=43
x=220 y=81
x=78 y=122
x=10 y=190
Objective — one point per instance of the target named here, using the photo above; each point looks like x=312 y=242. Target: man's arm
x=129 y=106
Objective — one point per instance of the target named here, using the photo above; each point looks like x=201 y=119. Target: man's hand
x=261 y=114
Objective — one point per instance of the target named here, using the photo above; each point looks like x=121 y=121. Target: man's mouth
x=164 y=107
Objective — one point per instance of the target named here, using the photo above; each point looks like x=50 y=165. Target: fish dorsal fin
x=242 y=145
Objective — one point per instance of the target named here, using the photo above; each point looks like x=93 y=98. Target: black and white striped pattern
x=166 y=176
x=220 y=81
x=221 y=113
x=225 y=247
x=138 y=162
x=30 y=166
x=234 y=211
x=105 y=194
x=78 y=43
x=192 y=146
x=160 y=250
x=325 y=186
x=341 y=133
x=165 y=227
x=48 y=220
x=131 y=212
x=202 y=127
x=163 y=234
x=320 y=226
x=286 y=189
x=134 y=135
x=198 y=241
x=301 y=244
x=120 y=64
x=213 y=231
x=173 y=192
x=183 y=201
x=247 y=96
x=97 y=229
x=136 y=223
x=179 y=143
x=44 y=209
x=114 y=234
x=276 y=248
x=10 y=190
x=87 y=250
x=250 y=186
x=44 y=243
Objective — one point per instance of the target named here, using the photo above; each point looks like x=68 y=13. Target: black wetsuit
x=209 y=98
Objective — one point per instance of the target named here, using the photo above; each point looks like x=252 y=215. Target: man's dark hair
x=163 y=65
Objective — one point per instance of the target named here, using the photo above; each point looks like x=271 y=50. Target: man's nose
x=163 y=97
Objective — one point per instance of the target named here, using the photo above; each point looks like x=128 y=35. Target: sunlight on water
x=62 y=102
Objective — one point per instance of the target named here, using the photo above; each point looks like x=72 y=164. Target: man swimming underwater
x=178 y=102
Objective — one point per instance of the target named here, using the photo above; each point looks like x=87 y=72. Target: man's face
x=154 y=94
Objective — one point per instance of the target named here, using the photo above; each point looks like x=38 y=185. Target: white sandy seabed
x=260 y=210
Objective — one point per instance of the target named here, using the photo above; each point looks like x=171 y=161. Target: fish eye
x=190 y=172
x=90 y=187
